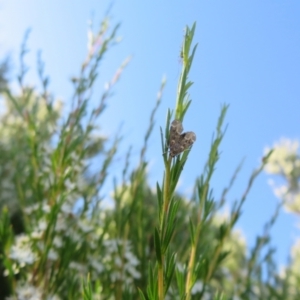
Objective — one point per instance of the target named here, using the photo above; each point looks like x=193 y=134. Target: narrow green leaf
x=170 y=267
x=157 y=245
x=141 y=294
x=192 y=231
x=170 y=224
x=159 y=197
x=180 y=282
x=163 y=146
x=152 y=291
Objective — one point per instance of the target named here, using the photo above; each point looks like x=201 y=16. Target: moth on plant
x=179 y=141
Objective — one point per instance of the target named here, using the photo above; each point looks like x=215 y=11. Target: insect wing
x=188 y=138
x=176 y=127
x=175 y=132
x=179 y=141
x=176 y=149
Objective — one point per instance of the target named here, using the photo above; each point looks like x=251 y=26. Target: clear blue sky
x=248 y=56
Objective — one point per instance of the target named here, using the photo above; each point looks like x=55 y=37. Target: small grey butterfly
x=179 y=141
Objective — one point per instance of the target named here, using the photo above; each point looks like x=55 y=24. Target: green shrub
x=59 y=241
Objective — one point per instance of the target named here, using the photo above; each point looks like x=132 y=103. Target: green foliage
x=60 y=240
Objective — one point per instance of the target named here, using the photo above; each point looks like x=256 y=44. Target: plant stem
x=161 y=281
x=167 y=195
x=195 y=241
x=190 y=272
x=166 y=202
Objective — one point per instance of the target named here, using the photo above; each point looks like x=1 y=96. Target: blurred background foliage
x=63 y=236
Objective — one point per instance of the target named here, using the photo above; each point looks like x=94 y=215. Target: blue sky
x=247 y=57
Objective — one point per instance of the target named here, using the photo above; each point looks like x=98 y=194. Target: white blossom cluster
x=25 y=291
x=285 y=162
x=21 y=253
x=122 y=261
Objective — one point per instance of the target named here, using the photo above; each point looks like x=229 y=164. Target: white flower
x=31 y=208
x=115 y=276
x=21 y=251
x=45 y=207
x=52 y=255
x=67 y=208
x=281 y=160
x=27 y=292
x=96 y=265
x=132 y=271
x=84 y=227
x=111 y=245
x=61 y=224
x=131 y=258
x=78 y=267
x=57 y=106
x=15 y=270
x=36 y=234
x=57 y=242
x=39 y=231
